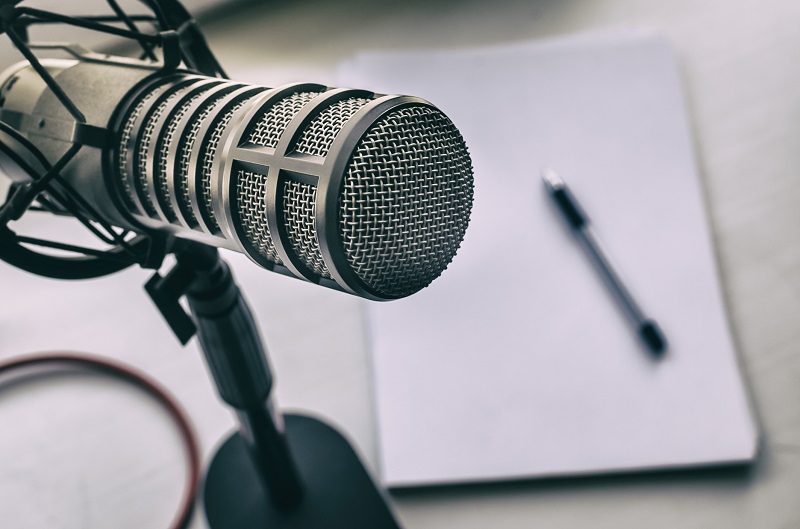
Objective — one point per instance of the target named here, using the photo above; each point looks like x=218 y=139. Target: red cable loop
x=128 y=374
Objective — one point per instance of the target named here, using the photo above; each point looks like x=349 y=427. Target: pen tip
x=652 y=336
x=551 y=178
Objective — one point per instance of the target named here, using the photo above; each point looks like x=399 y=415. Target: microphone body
x=361 y=192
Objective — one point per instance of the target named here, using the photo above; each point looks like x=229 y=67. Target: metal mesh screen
x=185 y=149
x=318 y=136
x=124 y=151
x=162 y=156
x=145 y=141
x=299 y=212
x=251 y=189
x=207 y=161
x=271 y=124
x=406 y=199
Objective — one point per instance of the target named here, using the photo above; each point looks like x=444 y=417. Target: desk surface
x=741 y=75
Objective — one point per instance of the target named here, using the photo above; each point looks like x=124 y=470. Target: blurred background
x=740 y=71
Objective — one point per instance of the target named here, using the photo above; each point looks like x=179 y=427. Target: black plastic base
x=338 y=492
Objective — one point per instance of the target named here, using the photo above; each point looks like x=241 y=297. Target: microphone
x=366 y=193
x=361 y=192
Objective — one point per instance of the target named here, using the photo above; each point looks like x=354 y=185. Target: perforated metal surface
x=405 y=201
x=124 y=150
x=144 y=143
x=299 y=214
x=185 y=153
x=166 y=139
x=251 y=208
x=207 y=161
x=318 y=136
x=273 y=121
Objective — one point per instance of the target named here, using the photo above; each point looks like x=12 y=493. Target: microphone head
x=405 y=200
x=353 y=190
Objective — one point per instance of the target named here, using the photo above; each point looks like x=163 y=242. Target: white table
x=742 y=76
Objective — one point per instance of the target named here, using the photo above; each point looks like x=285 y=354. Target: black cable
x=128 y=374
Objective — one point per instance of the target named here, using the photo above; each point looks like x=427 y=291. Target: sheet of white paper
x=517 y=362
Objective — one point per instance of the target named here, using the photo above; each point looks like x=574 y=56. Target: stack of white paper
x=517 y=362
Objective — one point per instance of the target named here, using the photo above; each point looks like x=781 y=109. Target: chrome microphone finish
x=357 y=191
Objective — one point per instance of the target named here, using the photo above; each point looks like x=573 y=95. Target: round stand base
x=338 y=492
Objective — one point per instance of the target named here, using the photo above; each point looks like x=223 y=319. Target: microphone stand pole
x=288 y=472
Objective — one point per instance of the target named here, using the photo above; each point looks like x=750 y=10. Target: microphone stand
x=283 y=472
x=288 y=472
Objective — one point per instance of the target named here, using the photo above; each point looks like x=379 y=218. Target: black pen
x=646 y=328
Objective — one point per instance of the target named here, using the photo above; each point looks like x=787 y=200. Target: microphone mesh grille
x=144 y=148
x=318 y=136
x=125 y=138
x=251 y=191
x=206 y=163
x=185 y=152
x=299 y=212
x=271 y=124
x=162 y=173
x=406 y=199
